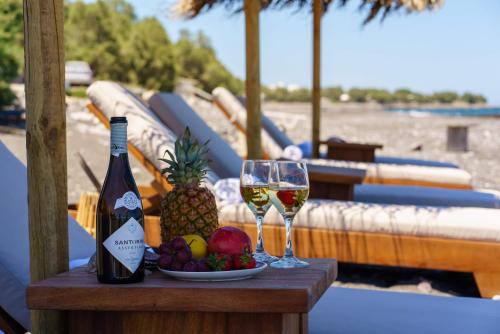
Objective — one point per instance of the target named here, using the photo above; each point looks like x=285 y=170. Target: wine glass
x=289 y=189
x=254 y=188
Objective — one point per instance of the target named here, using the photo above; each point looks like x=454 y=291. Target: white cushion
x=378 y=171
x=14 y=238
x=453 y=222
x=218 y=122
x=239 y=115
x=145 y=131
x=173 y=111
x=442 y=175
x=355 y=311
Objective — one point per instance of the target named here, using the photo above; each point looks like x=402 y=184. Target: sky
x=455 y=48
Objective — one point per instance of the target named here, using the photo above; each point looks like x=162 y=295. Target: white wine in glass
x=254 y=188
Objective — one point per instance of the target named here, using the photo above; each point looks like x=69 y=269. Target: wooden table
x=351 y=151
x=275 y=301
x=337 y=183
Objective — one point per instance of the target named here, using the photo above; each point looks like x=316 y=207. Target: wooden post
x=316 y=86
x=46 y=149
x=252 y=84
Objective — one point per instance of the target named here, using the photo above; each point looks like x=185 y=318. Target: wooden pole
x=316 y=85
x=252 y=84
x=46 y=149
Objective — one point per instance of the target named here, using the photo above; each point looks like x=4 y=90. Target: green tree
x=358 y=95
x=92 y=34
x=11 y=46
x=332 y=93
x=196 y=59
x=150 y=56
x=445 y=97
x=473 y=98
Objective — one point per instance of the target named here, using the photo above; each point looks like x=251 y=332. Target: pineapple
x=189 y=208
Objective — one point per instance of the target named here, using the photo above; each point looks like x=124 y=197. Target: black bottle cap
x=118 y=120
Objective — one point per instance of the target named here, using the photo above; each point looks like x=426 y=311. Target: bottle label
x=126 y=244
x=118 y=139
x=129 y=200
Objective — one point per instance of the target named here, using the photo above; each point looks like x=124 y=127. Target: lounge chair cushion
x=145 y=131
x=408 y=161
x=355 y=311
x=408 y=195
x=218 y=122
x=385 y=173
x=456 y=223
x=14 y=238
x=238 y=114
x=376 y=173
x=173 y=111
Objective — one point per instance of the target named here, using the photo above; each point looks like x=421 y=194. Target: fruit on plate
x=197 y=244
x=229 y=240
x=220 y=262
x=203 y=265
x=175 y=254
x=189 y=208
x=244 y=261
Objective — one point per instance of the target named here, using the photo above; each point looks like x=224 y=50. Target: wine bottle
x=119 y=216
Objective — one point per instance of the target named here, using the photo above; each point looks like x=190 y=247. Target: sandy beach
x=399 y=133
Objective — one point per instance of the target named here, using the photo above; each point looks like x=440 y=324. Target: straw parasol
x=251 y=8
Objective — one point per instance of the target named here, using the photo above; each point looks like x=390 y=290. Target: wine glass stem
x=259 y=248
x=288 y=228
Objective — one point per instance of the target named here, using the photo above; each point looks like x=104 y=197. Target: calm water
x=450 y=111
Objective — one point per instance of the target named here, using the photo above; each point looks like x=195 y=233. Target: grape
x=184 y=255
x=178 y=243
x=166 y=248
x=165 y=261
x=177 y=266
x=203 y=265
x=191 y=266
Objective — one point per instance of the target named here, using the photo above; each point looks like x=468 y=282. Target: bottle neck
x=118 y=139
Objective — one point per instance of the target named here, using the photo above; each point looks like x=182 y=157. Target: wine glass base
x=289 y=262
x=264 y=257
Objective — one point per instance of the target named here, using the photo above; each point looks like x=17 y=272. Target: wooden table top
x=272 y=291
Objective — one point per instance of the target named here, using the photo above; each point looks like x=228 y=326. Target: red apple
x=229 y=240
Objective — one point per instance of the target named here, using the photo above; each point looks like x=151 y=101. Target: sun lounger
x=173 y=111
x=14 y=243
x=457 y=239
x=355 y=311
x=385 y=171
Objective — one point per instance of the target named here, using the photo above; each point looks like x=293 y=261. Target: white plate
x=216 y=276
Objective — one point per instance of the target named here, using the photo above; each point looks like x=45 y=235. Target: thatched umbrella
x=191 y=8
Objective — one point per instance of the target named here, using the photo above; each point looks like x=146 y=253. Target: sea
x=467 y=112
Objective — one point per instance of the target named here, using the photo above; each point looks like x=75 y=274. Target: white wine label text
x=126 y=244
x=129 y=200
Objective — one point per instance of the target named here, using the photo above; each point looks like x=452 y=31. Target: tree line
x=361 y=95
x=118 y=46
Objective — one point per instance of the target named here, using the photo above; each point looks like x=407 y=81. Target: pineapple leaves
x=187 y=165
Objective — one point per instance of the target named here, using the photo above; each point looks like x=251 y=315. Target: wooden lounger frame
x=477 y=257
x=355 y=151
